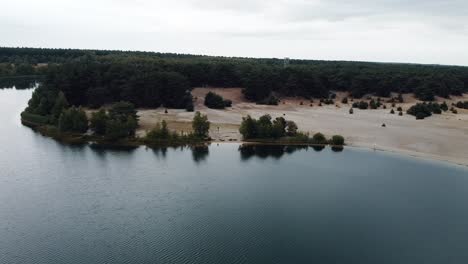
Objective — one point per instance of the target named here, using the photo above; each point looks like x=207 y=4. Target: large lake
x=77 y=204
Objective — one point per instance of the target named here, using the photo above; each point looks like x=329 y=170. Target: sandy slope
x=442 y=137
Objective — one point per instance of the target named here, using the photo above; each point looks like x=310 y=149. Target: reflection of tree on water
x=160 y=151
x=318 y=148
x=337 y=148
x=200 y=153
x=112 y=148
x=248 y=151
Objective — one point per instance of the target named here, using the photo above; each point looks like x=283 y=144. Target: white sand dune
x=441 y=137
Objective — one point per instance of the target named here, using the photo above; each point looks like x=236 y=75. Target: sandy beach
x=440 y=137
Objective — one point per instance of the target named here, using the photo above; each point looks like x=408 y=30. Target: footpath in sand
x=442 y=137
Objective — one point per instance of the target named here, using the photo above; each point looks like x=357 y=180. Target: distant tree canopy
x=149 y=79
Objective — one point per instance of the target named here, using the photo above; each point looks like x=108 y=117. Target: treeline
x=21 y=69
x=148 y=79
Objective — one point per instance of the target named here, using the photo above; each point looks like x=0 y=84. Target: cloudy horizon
x=430 y=32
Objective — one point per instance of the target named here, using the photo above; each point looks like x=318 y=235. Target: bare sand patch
x=441 y=137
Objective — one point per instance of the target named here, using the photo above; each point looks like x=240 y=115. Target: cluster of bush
x=161 y=135
x=215 y=101
x=361 y=105
x=399 y=109
x=462 y=105
x=398 y=99
x=281 y=130
x=423 y=110
x=373 y=104
x=328 y=101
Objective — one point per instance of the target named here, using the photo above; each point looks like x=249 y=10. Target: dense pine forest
x=149 y=79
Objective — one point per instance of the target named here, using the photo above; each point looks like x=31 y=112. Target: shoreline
x=414 y=154
x=84 y=139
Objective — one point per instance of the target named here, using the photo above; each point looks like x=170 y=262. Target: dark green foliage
x=351 y=111
x=248 y=128
x=265 y=128
x=400 y=113
x=98 y=122
x=258 y=76
x=122 y=121
x=328 y=101
x=33 y=118
x=462 y=105
x=148 y=79
x=319 y=138
x=73 y=120
x=215 y=101
x=444 y=106
x=159 y=132
x=423 y=110
x=161 y=135
x=337 y=140
x=60 y=104
x=373 y=104
x=123 y=110
x=392 y=111
x=200 y=125
x=269 y=100
x=119 y=122
x=399 y=109
x=345 y=100
x=291 y=128
x=361 y=105
x=400 y=98
x=117 y=128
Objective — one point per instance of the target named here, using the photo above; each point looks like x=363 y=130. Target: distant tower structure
x=286 y=62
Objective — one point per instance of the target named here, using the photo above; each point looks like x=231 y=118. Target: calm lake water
x=72 y=204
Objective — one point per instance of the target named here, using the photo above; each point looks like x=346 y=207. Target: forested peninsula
x=94 y=79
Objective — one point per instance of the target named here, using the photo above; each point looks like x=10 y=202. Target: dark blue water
x=72 y=204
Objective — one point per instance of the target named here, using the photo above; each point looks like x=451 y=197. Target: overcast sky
x=420 y=31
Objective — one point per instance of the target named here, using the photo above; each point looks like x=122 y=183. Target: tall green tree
x=200 y=125
x=73 y=120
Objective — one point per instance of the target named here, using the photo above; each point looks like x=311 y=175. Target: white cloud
x=430 y=31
